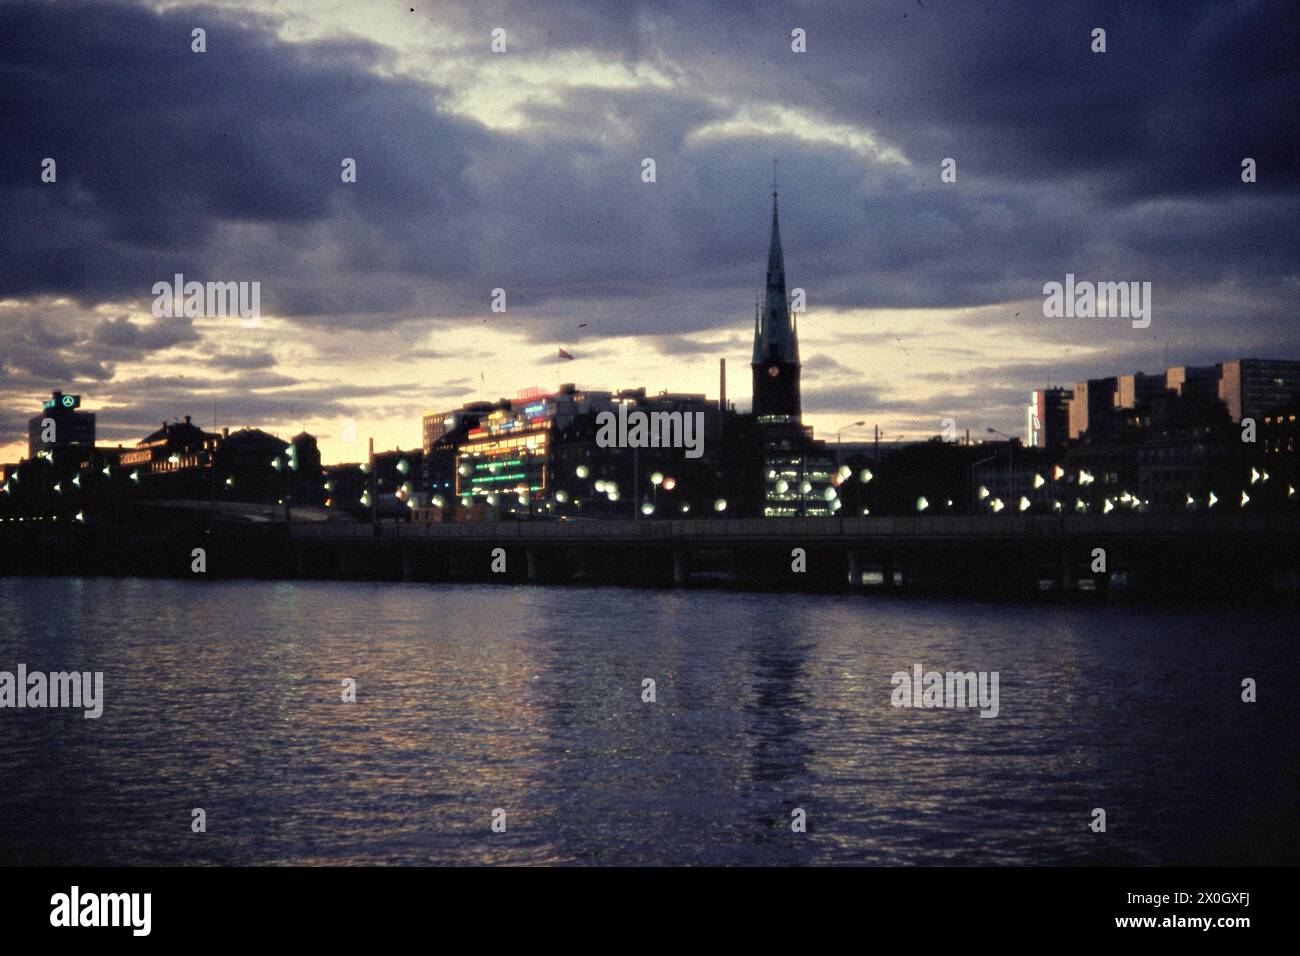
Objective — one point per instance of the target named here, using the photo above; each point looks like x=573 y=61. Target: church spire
x=777 y=340
x=776 y=344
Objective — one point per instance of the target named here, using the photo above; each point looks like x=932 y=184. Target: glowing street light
x=1024 y=503
x=921 y=503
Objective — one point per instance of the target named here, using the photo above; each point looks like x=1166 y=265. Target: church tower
x=776 y=343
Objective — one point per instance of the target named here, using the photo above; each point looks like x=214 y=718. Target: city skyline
x=523 y=170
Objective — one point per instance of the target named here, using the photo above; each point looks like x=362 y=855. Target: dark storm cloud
x=126 y=339
x=225 y=165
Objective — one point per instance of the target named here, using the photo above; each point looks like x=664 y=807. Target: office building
x=1048 y=418
x=60 y=425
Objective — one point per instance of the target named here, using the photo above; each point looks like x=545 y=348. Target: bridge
x=1241 y=553
x=1232 y=550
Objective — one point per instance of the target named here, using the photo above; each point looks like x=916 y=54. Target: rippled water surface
x=227 y=696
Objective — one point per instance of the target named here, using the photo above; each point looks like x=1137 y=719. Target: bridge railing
x=784 y=529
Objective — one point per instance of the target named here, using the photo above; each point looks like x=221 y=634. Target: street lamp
x=839 y=437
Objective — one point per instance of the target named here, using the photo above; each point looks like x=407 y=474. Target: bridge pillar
x=534 y=569
x=408 y=565
x=681 y=573
x=1066 y=582
x=887 y=571
x=300 y=562
x=855 y=568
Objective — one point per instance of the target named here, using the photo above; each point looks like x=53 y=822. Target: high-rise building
x=775 y=362
x=60 y=425
x=1187 y=381
x=1252 y=387
x=1138 y=389
x=1048 y=418
x=1091 y=400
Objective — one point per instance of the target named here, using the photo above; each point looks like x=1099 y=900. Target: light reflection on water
x=226 y=696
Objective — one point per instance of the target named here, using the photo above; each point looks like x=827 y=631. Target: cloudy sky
x=522 y=170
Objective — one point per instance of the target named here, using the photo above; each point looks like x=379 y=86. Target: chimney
x=722 y=387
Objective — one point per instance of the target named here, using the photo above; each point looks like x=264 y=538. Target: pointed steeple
x=777 y=341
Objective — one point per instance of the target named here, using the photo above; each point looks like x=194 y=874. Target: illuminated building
x=70 y=427
x=1047 y=422
x=176 y=447
x=506 y=456
x=798 y=471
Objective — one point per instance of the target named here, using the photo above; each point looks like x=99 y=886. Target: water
x=227 y=696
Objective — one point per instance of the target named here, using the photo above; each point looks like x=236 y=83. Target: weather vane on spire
x=774 y=183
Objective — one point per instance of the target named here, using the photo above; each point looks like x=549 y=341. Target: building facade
x=60 y=425
x=1048 y=418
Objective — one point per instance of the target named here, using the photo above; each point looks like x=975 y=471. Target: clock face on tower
x=773 y=371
